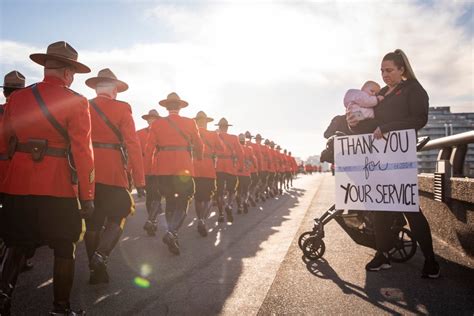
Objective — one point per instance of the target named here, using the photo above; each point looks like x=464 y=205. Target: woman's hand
x=351 y=119
x=378 y=133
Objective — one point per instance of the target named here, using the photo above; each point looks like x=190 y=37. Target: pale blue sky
x=276 y=68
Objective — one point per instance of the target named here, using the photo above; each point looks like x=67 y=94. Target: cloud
x=279 y=68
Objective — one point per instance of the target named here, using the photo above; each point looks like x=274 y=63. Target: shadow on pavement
x=147 y=280
x=397 y=291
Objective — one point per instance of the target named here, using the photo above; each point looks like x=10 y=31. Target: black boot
x=13 y=262
x=246 y=207
x=63 y=277
x=228 y=211
x=171 y=240
x=98 y=262
x=98 y=269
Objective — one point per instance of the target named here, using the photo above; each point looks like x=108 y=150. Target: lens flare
x=141 y=282
x=145 y=270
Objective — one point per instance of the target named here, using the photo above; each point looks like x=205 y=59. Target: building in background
x=441 y=123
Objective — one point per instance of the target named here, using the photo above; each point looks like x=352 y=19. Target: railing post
x=458 y=155
x=442 y=180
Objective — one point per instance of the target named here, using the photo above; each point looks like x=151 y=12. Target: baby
x=360 y=102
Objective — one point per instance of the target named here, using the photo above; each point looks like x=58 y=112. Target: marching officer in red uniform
x=177 y=142
x=264 y=168
x=271 y=168
x=245 y=169
x=13 y=81
x=205 y=171
x=255 y=171
x=288 y=169
x=115 y=144
x=227 y=165
x=280 y=167
x=294 y=170
x=153 y=196
x=41 y=193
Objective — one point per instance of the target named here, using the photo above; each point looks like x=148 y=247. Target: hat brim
x=167 y=103
x=147 y=116
x=12 y=87
x=223 y=125
x=208 y=119
x=94 y=81
x=41 y=59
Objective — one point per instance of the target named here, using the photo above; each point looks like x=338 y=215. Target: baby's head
x=371 y=88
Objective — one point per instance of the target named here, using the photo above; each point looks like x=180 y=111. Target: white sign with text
x=377 y=174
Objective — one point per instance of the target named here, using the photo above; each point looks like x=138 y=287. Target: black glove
x=87 y=209
x=141 y=192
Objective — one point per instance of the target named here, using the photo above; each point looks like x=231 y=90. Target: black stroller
x=358 y=224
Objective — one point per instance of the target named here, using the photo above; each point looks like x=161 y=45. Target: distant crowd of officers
x=64 y=158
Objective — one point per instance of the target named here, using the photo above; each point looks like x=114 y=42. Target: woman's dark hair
x=401 y=60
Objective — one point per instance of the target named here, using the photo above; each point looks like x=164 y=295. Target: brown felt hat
x=248 y=135
x=13 y=79
x=201 y=115
x=258 y=136
x=58 y=55
x=173 y=99
x=223 y=122
x=152 y=113
x=106 y=75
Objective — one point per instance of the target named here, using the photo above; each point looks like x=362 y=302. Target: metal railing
x=450 y=161
x=453 y=149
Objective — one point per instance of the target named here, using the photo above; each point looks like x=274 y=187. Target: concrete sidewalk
x=338 y=283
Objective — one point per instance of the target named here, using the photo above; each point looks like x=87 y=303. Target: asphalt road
x=228 y=272
x=253 y=266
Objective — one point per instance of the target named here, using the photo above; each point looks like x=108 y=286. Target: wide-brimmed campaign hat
x=106 y=75
x=201 y=115
x=258 y=136
x=267 y=142
x=151 y=114
x=13 y=79
x=58 y=55
x=223 y=122
x=278 y=147
x=173 y=99
x=248 y=135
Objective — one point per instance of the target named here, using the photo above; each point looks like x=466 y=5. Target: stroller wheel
x=405 y=246
x=314 y=248
x=303 y=238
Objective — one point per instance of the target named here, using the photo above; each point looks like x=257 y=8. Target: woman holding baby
x=402 y=104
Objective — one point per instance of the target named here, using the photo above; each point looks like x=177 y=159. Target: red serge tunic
x=108 y=162
x=4 y=161
x=143 y=137
x=51 y=176
x=228 y=161
x=173 y=162
x=213 y=147
x=249 y=162
x=258 y=155
x=266 y=159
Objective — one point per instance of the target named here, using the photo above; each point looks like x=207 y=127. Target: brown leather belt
x=106 y=146
x=211 y=156
x=174 y=148
x=50 y=151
